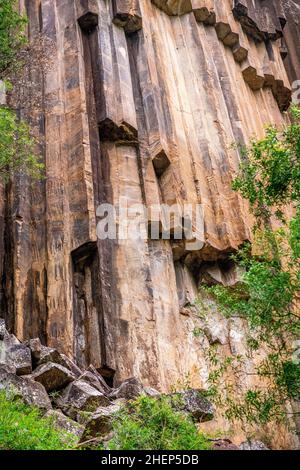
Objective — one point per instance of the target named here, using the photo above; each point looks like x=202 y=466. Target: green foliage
x=144 y=424
x=12 y=37
x=294 y=237
x=265 y=297
x=258 y=407
x=250 y=406
x=270 y=173
x=151 y=424
x=17 y=147
x=23 y=428
x=269 y=291
x=291 y=379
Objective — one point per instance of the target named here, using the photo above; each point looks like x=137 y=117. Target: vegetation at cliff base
x=143 y=424
x=22 y=427
x=152 y=424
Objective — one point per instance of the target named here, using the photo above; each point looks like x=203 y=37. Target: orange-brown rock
x=139 y=100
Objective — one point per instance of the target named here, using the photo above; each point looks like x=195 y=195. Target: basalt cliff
x=140 y=101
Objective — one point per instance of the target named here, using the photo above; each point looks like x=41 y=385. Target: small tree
x=269 y=293
x=17 y=147
x=12 y=37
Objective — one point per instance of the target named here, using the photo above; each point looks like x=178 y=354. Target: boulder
x=7 y=369
x=100 y=422
x=35 y=347
x=253 y=445
x=50 y=355
x=31 y=392
x=223 y=444
x=5 y=344
x=69 y=364
x=151 y=392
x=130 y=389
x=194 y=403
x=94 y=371
x=94 y=381
x=2 y=353
x=19 y=356
x=216 y=327
x=53 y=376
x=224 y=272
x=10 y=340
x=5 y=336
x=80 y=397
x=3 y=330
x=64 y=423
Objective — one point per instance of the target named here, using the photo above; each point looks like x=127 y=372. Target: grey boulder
x=130 y=389
x=80 y=397
x=69 y=364
x=35 y=347
x=53 y=376
x=151 y=392
x=31 y=392
x=105 y=386
x=62 y=422
x=19 y=356
x=93 y=380
x=3 y=331
x=193 y=402
x=253 y=445
x=50 y=355
x=223 y=444
x=100 y=423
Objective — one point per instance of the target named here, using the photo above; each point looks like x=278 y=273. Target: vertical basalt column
x=87 y=304
x=5 y=262
x=126 y=286
x=91 y=262
x=24 y=282
x=2 y=220
x=70 y=207
x=291 y=35
x=34 y=301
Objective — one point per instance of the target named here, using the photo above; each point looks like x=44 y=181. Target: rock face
x=291 y=40
x=137 y=101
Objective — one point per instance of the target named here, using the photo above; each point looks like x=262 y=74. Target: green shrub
x=291 y=377
x=269 y=290
x=17 y=147
x=23 y=428
x=151 y=424
x=12 y=37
